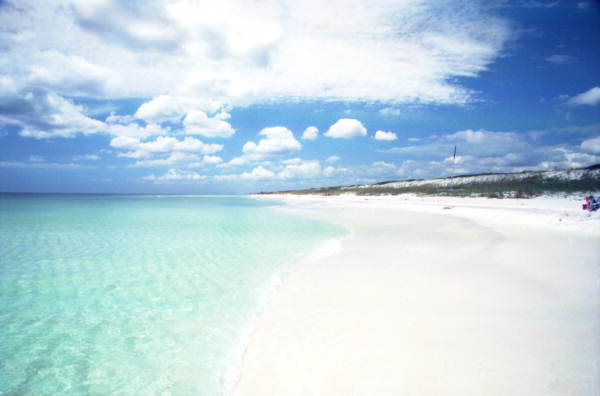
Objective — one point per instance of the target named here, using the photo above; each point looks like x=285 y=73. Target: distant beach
x=436 y=295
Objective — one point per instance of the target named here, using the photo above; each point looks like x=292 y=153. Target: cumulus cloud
x=198 y=123
x=387 y=136
x=128 y=126
x=237 y=161
x=258 y=173
x=212 y=159
x=278 y=141
x=301 y=170
x=389 y=112
x=291 y=169
x=170 y=160
x=591 y=145
x=173 y=108
x=589 y=98
x=166 y=151
x=382 y=167
x=481 y=143
x=310 y=133
x=174 y=175
x=163 y=144
x=180 y=159
x=86 y=157
x=42 y=114
x=332 y=159
x=488 y=151
x=346 y=128
x=483 y=136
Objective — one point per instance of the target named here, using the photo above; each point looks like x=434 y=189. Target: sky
x=241 y=96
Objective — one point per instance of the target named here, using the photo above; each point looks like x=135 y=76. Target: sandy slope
x=488 y=297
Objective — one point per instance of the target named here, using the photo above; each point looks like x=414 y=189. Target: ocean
x=137 y=294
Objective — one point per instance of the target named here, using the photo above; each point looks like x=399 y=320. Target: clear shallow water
x=130 y=295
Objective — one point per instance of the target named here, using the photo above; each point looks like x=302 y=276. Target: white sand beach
x=436 y=296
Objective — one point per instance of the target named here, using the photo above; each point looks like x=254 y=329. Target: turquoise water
x=132 y=295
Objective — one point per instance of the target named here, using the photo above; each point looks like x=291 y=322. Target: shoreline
x=323 y=249
x=419 y=295
x=232 y=376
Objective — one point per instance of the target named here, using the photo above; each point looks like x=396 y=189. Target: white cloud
x=301 y=170
x=591 y=145
x=328 y=171
x=173 y=108
x=483 y=136
x=389 y=112
x=291 y=169
x=589 y=98
x=412 y=49
x=166 y=151
x=160 y=108
x=310 y=133
x=42 y=114
x=387 y=136
x=237 y=161
x=67 y=74
x=346 y=128
x=559 y=59
x=36 y=158
x=86 y=157
x=382 y=167
x=489 y=151
x=164 y=144
x=279 y=140
x=170 y=160
x=258 y=173
x=481 y=143
x=138 y=28
x=127 y=126
x=212 y=159
x=366 y=173
x=179 y=159
x=43 y=165
x=198 y=123
x=333 y=158
x=174 y=175
x=581 y=129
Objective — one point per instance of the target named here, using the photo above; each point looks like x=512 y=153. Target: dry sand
x=484 y=297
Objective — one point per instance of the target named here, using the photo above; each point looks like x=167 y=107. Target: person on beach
x=591 y=203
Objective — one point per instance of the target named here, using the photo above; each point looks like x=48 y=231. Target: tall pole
x=454 y=161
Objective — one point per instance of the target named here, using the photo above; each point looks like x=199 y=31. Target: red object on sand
x=584 y=206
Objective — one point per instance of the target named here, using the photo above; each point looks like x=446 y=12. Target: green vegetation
x=536 y=184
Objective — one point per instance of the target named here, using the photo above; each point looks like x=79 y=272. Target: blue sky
x=187 y=96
